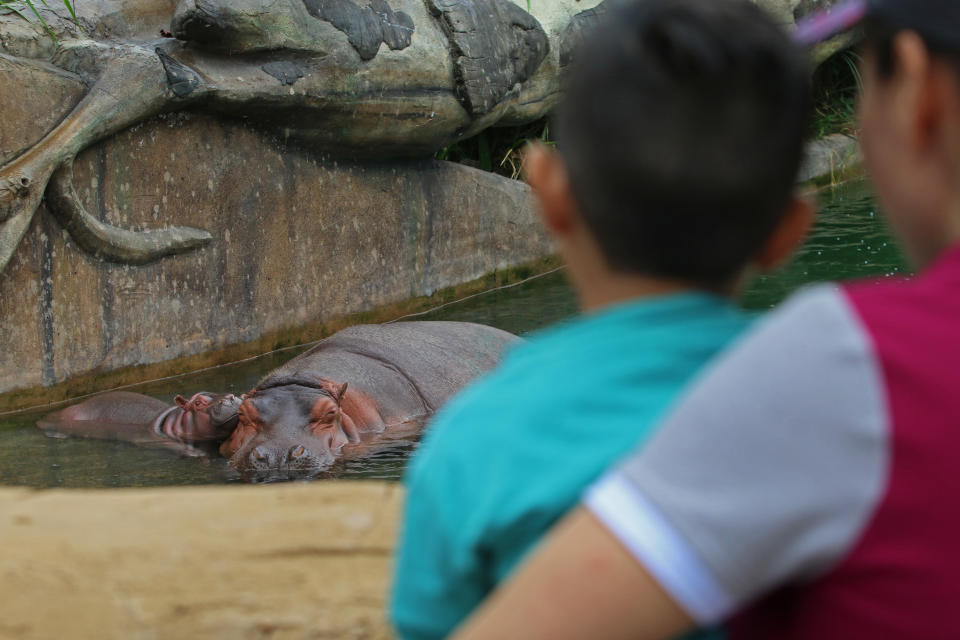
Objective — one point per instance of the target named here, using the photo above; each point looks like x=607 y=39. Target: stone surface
x=366 y=27
x=296 y=241
x=50 y=93
x=578 y=28
x=314 y=71
x=830 y=158
x=278 y=561
x=496 y=46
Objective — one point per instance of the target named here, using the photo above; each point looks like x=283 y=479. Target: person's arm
x=582 y=583
x=765 y=475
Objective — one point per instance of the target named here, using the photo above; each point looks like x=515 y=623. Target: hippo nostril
x=260 y=455
x=25 y=181
x=297 y=452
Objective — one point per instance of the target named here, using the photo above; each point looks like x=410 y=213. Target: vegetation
x=499 y=149
x=836 y=86
x=27 y=9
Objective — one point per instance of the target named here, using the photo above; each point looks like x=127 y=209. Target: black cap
x=937 y=21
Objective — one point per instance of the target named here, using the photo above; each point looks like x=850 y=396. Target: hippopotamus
x=348 y=393
x=351 y=389
x=185 y=427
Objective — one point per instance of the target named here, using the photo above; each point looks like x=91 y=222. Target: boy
x=680 y=137
x=807 y=487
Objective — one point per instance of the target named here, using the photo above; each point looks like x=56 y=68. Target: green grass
x=27 y=9
x=836 y=86
x=498 y=150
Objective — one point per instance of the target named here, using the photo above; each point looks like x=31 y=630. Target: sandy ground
x=280 y=561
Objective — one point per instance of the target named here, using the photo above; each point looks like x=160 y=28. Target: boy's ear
x=547 y=175
x=917 y=104
x=790 y=234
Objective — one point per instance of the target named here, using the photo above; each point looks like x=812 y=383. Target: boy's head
x=909 y=112
x=910 y=117
x=679 y=136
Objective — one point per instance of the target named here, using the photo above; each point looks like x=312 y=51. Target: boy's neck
x=597 y=293
x=599 y=286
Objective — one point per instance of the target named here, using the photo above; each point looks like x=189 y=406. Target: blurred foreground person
x=679 y=140
x=807 y=487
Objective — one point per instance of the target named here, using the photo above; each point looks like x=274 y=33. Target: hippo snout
x=270 y=457
x=272 y=461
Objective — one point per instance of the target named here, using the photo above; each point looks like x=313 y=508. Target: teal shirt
x=506 y=458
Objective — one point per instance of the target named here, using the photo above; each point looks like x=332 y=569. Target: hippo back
x=410 y=368
x=116 y=407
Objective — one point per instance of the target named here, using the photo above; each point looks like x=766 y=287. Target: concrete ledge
x=284 y=561
x=830 y=160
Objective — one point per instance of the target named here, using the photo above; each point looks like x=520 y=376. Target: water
x=849 y=241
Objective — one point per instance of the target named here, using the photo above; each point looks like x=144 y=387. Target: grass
x=498 y=150
x=836 y=86
x=27 y=9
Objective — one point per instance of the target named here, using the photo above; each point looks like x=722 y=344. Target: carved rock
x=366 y=27
x=579 y=27
x=496 y=45
x=296 y=241
x=316 y=71
x=347 y=79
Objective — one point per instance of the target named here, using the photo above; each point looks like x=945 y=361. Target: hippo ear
x=181 y=402
x=342 y=392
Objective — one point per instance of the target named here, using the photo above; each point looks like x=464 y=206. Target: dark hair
x=878 y=39
x=682 y=128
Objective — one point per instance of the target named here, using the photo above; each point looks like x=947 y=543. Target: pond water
x=849 y=241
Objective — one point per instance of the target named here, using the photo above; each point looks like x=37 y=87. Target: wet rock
x=182 y=80
x=366 y=27
x=284 y=71
x=580 y=25
x=496 y=46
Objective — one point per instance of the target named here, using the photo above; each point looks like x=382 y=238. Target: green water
x=849 y=241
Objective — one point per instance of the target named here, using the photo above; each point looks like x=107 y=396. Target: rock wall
x=294 y=238
x=278 y=561
x=297 y=239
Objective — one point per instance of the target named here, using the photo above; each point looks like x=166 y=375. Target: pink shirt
x=808 y=487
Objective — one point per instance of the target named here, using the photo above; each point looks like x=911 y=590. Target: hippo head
x=205 y=417
x=290 y=427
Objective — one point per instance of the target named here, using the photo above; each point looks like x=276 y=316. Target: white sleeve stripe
x=640 y=527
